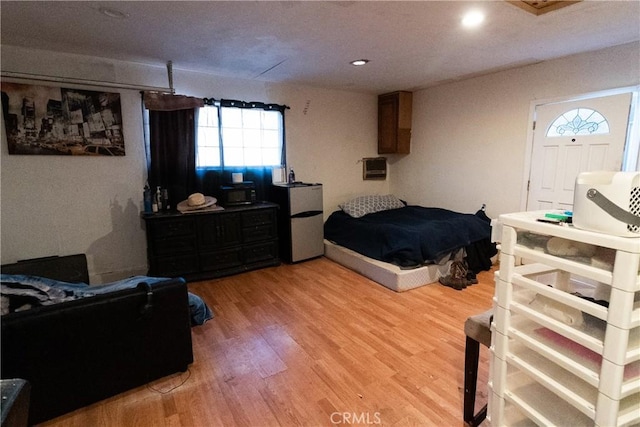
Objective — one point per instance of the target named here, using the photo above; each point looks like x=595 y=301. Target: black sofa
x=79 y=352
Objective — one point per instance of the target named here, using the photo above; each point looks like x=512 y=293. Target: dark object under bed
x=414 y=236
x=79 y=352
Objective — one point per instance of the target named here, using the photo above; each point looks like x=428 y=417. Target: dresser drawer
x=220 y=260
x=172 y=228
x=173 y=266
x=258 y=233
x=261 y=252
x=258 y=217
x=174 y=246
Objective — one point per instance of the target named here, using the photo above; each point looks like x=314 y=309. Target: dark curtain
x=172 y=150
x=172 y=143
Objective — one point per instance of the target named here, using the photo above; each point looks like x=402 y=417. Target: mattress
x=411 y=236
x=384 y=273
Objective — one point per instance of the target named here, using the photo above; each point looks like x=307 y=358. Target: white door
x=573 y=137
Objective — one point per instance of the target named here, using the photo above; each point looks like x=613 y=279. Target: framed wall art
x=58 y=121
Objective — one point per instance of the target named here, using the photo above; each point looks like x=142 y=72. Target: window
x=231 y=136
x=580 y=121
x=208 y=138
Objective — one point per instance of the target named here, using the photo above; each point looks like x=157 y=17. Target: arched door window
x=579 y=121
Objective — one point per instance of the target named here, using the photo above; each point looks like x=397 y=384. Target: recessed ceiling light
x=359 y=62
x=473 y=19
x=113 y=13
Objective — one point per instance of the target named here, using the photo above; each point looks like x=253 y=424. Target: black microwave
x=238 y=194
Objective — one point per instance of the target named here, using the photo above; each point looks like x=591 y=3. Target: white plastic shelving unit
x=558 y=358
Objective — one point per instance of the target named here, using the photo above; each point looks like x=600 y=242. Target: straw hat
x=196 y=201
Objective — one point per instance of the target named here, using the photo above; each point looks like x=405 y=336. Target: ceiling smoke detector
x=538 y=7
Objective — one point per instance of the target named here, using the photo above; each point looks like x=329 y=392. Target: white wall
x=469 y=137
x=62 y=205
x=468 y=148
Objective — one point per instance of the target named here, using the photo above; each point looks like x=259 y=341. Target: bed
x=404 y=246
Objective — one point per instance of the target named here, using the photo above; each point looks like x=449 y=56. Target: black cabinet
x=213 y=243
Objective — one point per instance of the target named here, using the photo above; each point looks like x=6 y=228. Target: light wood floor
x=313 y=344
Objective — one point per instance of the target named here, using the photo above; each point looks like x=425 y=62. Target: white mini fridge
x=300 y=220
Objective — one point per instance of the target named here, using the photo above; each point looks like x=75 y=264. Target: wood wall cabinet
x=394 y=122
x=212 y=244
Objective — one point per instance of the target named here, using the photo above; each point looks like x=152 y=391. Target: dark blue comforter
x=409 y=236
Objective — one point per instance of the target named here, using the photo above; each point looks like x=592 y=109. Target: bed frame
x=384 y=273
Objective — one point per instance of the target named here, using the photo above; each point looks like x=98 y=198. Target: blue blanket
x=20 y=292
x=409 y=236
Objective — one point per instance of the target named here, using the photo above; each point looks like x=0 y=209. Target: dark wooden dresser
x=213 y=243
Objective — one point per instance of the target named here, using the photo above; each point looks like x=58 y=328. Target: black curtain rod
x=245 y=104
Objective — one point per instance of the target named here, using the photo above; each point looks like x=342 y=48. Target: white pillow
x=363 y=205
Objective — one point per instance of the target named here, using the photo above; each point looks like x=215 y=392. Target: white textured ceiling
x=411 y=44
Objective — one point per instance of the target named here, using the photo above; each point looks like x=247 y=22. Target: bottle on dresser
x=158 y=198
